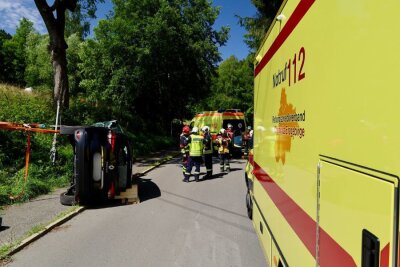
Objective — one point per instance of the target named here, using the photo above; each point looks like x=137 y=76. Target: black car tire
x=246 y=179
x=249 y=205
x=67 y=200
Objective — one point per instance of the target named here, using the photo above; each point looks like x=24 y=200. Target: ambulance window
x=237 y=124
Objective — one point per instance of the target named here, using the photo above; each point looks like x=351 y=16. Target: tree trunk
x=61 y=92
x=55 y=26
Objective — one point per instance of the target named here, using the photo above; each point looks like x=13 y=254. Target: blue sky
x=11 y=11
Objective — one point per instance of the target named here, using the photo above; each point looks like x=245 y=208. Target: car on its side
x=102 y=163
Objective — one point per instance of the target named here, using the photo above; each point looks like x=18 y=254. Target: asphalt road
x=176 y=224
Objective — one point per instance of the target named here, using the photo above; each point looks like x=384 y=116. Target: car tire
x=249 y=205
x=67 y=200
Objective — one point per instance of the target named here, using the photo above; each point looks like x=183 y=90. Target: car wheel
x=249 y=205
x=67 y=200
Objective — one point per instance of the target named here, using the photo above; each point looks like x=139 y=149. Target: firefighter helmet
x=185 y=129
x=205 y=129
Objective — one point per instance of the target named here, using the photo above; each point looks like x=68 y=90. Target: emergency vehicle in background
x=323 y=179
x=217 y=120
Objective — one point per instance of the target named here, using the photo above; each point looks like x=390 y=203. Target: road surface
x=176 y=224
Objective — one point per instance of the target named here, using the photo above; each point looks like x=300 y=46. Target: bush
x=143 y=144
x=22 y=107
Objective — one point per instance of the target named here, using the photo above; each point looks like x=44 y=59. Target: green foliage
x=232 y=87
x=38 y=72
x=152 y=59
x=14 y=53
x=144 y=144
x=74 y=46
x=3 y=55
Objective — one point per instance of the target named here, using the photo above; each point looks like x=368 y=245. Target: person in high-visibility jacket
x=184 y=146
x=223 y=142
x=208 y=151
x=196 y=147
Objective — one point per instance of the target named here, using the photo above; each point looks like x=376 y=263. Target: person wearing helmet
x=184 y=146
x=247 y=140
x=230 y=133
x=223 y=142
x=208 y=151
x=195 y=153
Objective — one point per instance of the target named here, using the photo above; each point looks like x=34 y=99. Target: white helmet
x=195 y=129
x=205 y=129
x=222 y=131
x=230 y=125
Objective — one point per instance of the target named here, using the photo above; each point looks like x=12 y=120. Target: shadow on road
x=218 y=175
x=148 y=189
x=2 y=228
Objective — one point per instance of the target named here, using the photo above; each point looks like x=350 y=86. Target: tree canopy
x=13 y=53
x=152 y=59
x=233 y=86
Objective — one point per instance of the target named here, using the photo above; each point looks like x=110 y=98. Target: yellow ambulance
x=219 y=119
x=323 y=179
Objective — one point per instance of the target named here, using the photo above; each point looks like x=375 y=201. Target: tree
x=153 y=59
x=14 y=53
x=232 y=87
x=38 y=72
x=4 y=37
x=258 y=26
x=54 y=19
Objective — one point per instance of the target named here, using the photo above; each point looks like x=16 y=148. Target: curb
x=75 y=212
x=47 y=229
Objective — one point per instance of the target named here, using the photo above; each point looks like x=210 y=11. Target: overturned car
x=102 y=163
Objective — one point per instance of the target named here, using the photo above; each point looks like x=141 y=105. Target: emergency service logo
x=287 y=127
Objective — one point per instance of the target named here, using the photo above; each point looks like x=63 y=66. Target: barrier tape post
x=28 y=128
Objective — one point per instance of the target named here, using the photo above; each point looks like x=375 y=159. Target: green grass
x=5 y=250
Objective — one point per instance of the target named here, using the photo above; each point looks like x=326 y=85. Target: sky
x=11 y=12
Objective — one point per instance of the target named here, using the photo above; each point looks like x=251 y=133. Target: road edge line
x=47 y=229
